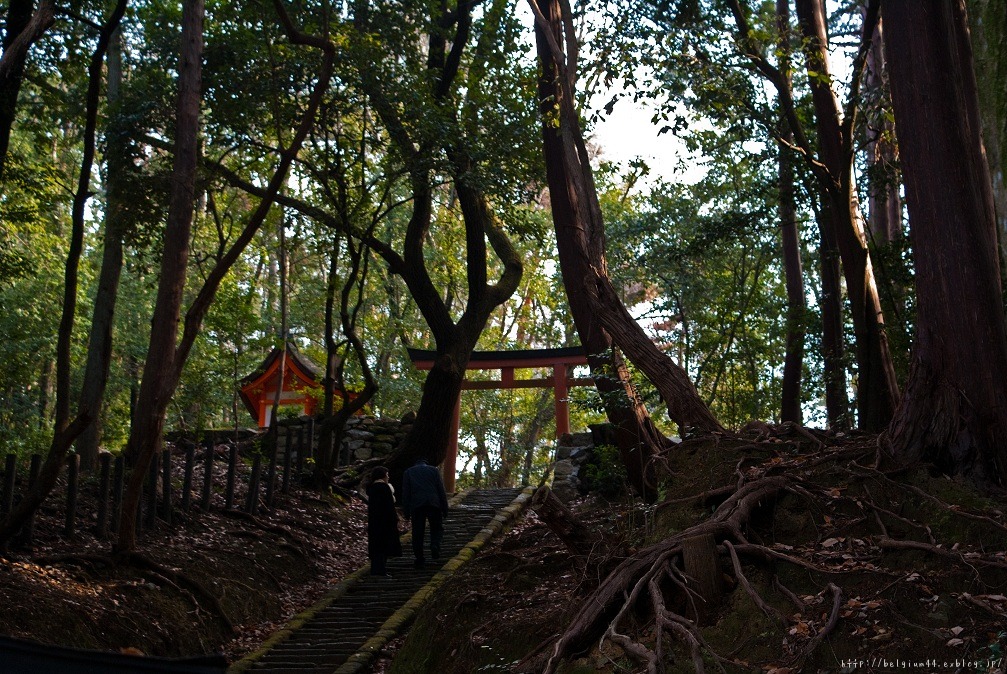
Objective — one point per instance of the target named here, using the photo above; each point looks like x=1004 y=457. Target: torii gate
x=508 y=361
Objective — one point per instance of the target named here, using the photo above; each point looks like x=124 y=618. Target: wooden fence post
x=271 y=469
x=29 y=527
x=118 y=478
x=166 y=485
x=288 y=458
x=309 y=451
x=10 y=473
x=190 y=459
x=104 y=475
x=232 y=470
x=72 y=488
x=204 y=503
x=299 y=464
x=152 y=493
x=252 y=500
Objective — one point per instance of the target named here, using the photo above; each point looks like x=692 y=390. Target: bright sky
x=628 y=133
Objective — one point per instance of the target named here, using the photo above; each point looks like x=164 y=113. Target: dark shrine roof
x=306 y=366
x=300 y=363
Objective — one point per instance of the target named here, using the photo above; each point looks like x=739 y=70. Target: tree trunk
x=65 y=430
x=430 y=434
x=877 y=389
x=955 y=409
x=578 y=538
x=884 y=205
x=837 y=404
x=793 y=360
x=165 y=360
x=601 y=319
x=328 y=455
x=988 y=21
x=99 y=348
x=24 y=26
x=334 y=426
x=159 y=378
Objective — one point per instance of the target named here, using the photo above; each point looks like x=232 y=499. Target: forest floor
x=212 y=583
x=842 y=566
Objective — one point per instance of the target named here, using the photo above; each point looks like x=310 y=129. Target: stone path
x=342 y=633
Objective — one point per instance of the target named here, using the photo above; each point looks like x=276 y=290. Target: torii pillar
x=559 y=360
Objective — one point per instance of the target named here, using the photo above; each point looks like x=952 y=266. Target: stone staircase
x=344 y=631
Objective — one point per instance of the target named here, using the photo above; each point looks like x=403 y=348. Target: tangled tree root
x=883 y=537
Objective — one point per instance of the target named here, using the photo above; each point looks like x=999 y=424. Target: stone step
x=338 y=631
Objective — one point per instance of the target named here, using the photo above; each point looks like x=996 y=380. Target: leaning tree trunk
x=955 y=408
x=877 y=388
x=600 y=316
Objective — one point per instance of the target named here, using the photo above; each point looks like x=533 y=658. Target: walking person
x=382 y=522
x=423 y=500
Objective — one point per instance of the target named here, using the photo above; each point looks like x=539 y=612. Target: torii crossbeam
x=560 y=360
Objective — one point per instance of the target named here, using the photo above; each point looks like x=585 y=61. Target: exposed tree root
x=851 y=534
x=837 y=598
x=759 y=601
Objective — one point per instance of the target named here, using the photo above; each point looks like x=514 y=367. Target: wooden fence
x=188 y=475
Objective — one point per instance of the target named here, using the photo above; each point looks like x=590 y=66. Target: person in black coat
x=423 y=500
x=382 y=522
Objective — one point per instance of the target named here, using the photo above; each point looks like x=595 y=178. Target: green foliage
x=605 y=472
x=701 y=264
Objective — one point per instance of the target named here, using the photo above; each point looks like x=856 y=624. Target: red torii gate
x=507 y=361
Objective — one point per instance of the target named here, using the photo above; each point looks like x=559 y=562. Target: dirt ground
x=849 y=567
x=211 y=583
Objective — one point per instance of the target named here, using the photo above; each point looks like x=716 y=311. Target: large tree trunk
x=955 y=408
x=431 y=432
x=793 y=360
x=837 y=404
x=600 y=316
x=159 y=379
x=877 y=389
x=165 y=368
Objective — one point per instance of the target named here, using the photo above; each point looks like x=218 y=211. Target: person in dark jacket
x=423 y=500
x=382 y=522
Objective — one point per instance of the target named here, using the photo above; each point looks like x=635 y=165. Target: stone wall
x=370 y=437
x=572 y=451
